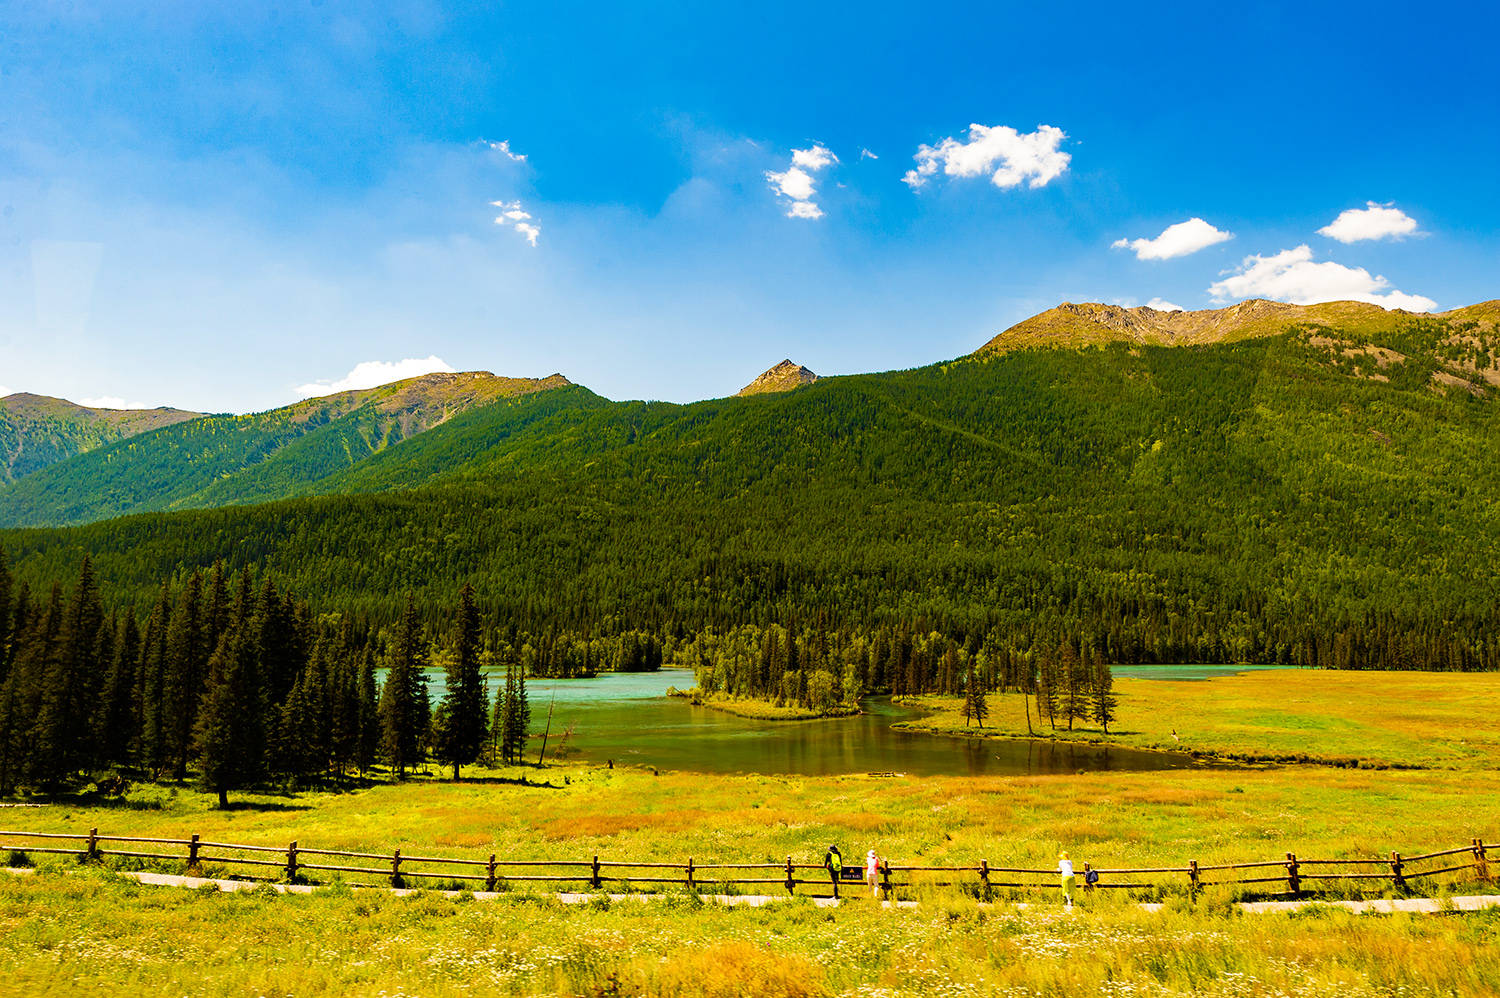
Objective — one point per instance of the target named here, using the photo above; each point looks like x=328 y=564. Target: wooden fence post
x=1481 y=862
x=1193 y=883
x=1396 y=875
x=984 y=877
x=291 y=863
x=1293 y=881
x=396 y=868
x=791 y=883
x=885 y=869
x=193 y=850
x=489 y=875
x=594 y=880
x=690 y=873
x=93 y=847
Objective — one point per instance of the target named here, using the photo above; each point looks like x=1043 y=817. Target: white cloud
x=1162 y=305
x=1373 y=221
x=5 y=391
x=1034 y=156
x=867 y=154
x=112 y=402
x=516 y=217
x=813 y=159
x=1175 y=240
x=503 y=146
x=796 y=182
x=1292 y=276
x=371 y=373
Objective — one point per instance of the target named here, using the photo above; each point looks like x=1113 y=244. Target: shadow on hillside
x=265 y=806
x=502 y=781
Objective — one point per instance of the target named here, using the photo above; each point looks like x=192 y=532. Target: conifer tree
x=969 y=710
x=463 y=731
x=1075 y=683
x=225 y=736
x=151 y=680
x=1104 y=701
x=1046 y=686
x=7 y=619
x=61 y=743
x=182 y=679
x=119 y=720
x=981 y=705
x=400 y=728
x=368 y=743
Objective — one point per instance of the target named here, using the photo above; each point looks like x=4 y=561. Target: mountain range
x=36 y=430
x=1265 y=481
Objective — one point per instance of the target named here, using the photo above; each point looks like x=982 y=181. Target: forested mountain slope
x=1322 y=495
x=36 y=430
x=1093 y=323
x=219 y=460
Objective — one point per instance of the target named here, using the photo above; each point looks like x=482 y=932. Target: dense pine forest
x=1317 y=497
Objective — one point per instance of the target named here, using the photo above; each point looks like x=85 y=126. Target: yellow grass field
x=70 y=929
x=1420 y=719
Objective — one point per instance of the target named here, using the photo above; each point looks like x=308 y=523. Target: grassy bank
x=85 y=933
x=760 y=710
x=1350 y=718
x=1124 y=819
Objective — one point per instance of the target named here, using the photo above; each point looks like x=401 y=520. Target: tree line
x=238 y=684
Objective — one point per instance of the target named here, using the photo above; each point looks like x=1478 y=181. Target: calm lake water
x=629 y=718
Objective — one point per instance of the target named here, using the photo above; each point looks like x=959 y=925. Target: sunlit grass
x=83 y=932
x=1360 y=718
x=1110 y=819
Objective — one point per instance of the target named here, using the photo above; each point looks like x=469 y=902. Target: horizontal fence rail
x=1290 y=877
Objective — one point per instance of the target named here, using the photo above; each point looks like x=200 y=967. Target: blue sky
x=218 y=209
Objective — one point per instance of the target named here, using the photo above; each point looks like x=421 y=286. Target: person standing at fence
x=833 y=862
x=872 y=873
x=1069 y=880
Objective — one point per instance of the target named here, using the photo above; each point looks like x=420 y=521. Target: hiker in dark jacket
x=833 y=862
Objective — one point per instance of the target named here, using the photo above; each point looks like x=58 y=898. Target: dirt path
x=1434 y=906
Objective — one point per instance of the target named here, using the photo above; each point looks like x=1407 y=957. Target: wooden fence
x=295 y=863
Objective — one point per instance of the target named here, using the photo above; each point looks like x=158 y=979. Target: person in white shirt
x=1069 y=881
x=872 y=873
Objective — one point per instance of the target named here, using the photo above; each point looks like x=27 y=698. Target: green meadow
x=70 y=928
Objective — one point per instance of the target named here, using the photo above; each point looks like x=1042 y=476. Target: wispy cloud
x=1014 y=157
x=371 y=373
x=796 y=183
x=516 y=217
x=112 y=402
x=1293 y=276
x=867 y=154
x=503 y=146
x=1374 y=221
x=1176 y=240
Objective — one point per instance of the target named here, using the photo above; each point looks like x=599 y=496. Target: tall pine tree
x=462 y=733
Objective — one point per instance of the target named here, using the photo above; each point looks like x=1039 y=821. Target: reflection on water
x=627 y=717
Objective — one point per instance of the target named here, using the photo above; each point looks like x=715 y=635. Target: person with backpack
x=833 y=862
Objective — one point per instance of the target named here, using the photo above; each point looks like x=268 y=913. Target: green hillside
x=221 y=460
x=1318 y=495
x=37 y=431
